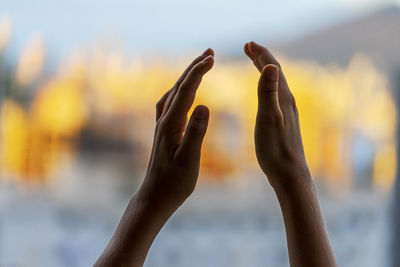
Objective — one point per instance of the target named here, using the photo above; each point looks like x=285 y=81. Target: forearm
x=307 y=238
x=135 y=233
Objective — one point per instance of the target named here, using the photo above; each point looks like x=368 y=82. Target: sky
x=172 y=26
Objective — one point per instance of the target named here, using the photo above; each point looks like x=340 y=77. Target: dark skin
x=280 y=154
x=174 y=167
x=172 y=172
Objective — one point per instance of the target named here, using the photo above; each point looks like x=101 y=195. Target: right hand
x=175 y=159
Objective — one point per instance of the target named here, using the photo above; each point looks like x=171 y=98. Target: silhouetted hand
x=174 y=164
x=172 y=172
x=280 y=153
x=279 y=147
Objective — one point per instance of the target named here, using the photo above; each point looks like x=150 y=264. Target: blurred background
x=79 y=81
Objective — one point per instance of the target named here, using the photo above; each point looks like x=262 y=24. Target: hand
x=174 y=163
x=280 y=153
x=172 y=172
x=279 y=147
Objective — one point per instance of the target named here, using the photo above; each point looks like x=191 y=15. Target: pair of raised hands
x=175 y=159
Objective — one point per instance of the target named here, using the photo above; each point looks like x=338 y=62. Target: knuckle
x=268 y=89
x=276 y=117
x=268 y=99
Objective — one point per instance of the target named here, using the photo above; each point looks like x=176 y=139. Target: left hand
x=279 y=147
x=174 y=163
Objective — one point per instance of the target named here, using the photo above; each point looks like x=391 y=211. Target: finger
x=261 y=55
x=190 y=149
x=247 y=51
x=178 y=83
x=160 y=104
x=206 y=53
x=187 y=91
x=268 y=99
x=251 y=56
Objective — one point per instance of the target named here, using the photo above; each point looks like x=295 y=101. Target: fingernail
x=270 y=72
x=201 y=112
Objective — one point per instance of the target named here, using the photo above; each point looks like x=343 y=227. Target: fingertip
x=212 y=60
x=256 y=47
x=247 y=50
x=209 y=61
x=208 y=51
x=245 y=46
x=270 y=73
x=202 y=112
x=254 y=44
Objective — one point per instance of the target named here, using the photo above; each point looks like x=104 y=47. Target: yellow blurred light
x=335 y=104
x=385 y=166
x=60 y=108
x=14 y=138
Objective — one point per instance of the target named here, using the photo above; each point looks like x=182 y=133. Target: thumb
x=190 y=149
x=268 y=99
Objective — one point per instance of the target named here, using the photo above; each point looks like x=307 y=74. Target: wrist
x=300 y=197
x=292 y=181
x=302 y=191
x=141 y=222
